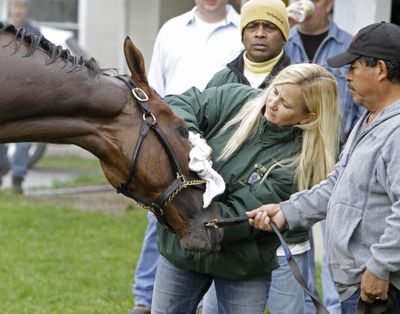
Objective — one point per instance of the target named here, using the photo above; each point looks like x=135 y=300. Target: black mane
x=54 y=52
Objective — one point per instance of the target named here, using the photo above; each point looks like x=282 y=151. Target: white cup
x=300 y=10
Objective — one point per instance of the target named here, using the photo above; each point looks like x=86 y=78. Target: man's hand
x=373 y=288
x=261 y=217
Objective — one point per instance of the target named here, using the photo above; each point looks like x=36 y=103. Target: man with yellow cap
x=264 y=28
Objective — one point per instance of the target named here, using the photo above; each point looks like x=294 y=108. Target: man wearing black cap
x=361 y=198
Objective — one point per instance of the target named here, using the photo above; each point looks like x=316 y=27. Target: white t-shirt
x=189 y=51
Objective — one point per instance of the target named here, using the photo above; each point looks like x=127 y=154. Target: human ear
x=309 y=117
x=382 y=70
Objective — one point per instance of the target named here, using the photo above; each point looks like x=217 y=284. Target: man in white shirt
x=191 y=47
x=188 y=51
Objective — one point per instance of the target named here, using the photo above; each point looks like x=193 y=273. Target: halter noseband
x=179 y=184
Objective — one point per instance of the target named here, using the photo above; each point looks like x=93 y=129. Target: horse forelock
x=54 y=52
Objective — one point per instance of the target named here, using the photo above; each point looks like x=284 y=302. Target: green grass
x=61 y=260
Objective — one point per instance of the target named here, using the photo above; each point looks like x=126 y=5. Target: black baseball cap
x=378 y=40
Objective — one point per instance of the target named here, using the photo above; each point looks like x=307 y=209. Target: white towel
x=201 y=164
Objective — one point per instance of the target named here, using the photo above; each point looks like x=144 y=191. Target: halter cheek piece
x=179 y=184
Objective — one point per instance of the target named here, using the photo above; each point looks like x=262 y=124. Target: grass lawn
x=60 y=260
x=55 y=259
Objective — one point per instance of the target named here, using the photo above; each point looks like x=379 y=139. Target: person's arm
x=211 y=108
x=302 y=210
x=278 y=186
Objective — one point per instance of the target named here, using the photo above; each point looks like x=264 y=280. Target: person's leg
x=4 y=163
x=286 y=295
x=331 y=297
x=177 y=291
x=311 y=278
x=349 y=306
x=147 y=265
x=210 y=303
x=19 y=165
x=238 y=297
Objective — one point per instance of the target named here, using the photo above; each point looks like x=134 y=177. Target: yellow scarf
x=260 y=68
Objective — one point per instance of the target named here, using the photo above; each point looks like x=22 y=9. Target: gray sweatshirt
x=360 y=200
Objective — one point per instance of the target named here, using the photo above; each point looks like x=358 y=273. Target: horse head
x=159 y=176
x=142 y=146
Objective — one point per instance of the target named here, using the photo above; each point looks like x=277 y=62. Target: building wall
x=102 y=29
x=355 y=14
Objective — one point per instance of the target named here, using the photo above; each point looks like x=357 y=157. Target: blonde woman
x=266 y=145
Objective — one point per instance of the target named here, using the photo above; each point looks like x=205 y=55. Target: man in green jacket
x=265 y=29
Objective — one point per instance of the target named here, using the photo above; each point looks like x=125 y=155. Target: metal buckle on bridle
x=136 y=91
x=223 y=222
x=151 y=115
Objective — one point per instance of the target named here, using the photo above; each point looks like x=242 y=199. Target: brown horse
x=47 y=95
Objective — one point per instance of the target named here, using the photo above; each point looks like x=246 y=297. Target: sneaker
x=16 y=186
x=140 y=309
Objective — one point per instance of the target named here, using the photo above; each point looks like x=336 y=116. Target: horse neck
x=53 y=103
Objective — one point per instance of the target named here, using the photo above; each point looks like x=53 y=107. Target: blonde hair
x=320 y=139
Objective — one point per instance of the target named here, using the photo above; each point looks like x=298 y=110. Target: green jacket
x=234 y=72
x=246 y=252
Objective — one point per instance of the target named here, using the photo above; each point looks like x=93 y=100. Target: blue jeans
x=285 y=294
x=19 y=162
x=330 y=295
x=349 y=305
x=147 y=265
x=177 y=291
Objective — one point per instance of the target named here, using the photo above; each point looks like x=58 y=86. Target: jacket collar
x=237 y=66
x=271 y=134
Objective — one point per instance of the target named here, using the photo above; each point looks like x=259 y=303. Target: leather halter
x=179 y=184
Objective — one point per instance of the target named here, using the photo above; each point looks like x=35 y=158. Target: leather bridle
x=180 y=183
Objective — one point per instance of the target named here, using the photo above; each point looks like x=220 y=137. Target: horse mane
x=54 y=52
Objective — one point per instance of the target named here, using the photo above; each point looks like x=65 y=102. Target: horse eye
x=184 y=132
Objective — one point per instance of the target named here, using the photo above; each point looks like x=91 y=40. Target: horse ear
x=135 y=61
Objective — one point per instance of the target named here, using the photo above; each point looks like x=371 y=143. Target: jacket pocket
x=342 y=222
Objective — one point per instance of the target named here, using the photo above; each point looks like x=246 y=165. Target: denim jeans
x=177 y=291
x=349 y=306
x=19 y=162
x=147 y=265
x=330 y=295
x=286 y=295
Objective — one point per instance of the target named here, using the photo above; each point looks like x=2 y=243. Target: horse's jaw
x=203 y=242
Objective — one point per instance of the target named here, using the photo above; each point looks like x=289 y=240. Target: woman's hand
x=262 y=216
